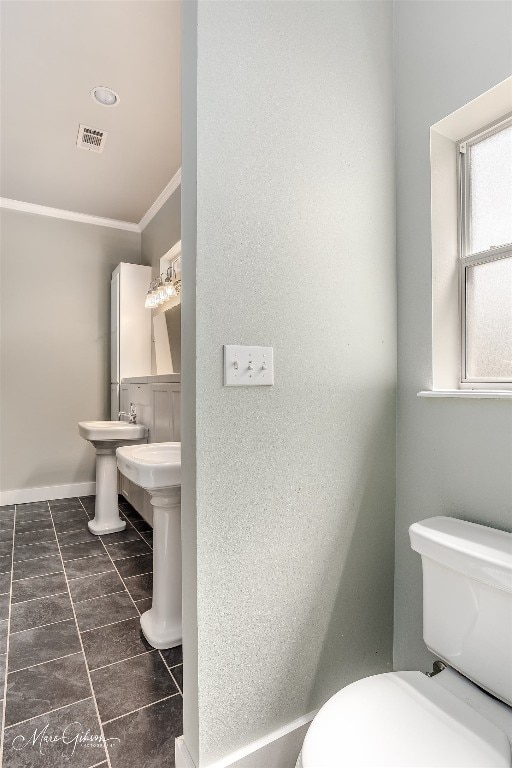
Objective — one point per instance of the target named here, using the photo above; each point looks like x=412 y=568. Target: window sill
x=472 y=394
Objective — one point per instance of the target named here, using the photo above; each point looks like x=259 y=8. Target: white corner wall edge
x=60 y=213
x=279 y=749
x=25 y=495
x=162 y=198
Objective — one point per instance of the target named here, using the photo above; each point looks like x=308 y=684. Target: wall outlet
x=248 y=366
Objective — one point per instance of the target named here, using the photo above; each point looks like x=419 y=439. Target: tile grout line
x=169 y=669
x=2 y=735
x=27 y=578
x=136 y=529
x=49 y=712
x=87 y=575
x=58 y=594
x=139 y=709
x=110 y=624
x=98 y=597
x=33 y=543
x=138 y=611
x=43 y=597
x=41 y=663
x=82 y=647
x=135 y=656
x=32 y=559
x=40 y=626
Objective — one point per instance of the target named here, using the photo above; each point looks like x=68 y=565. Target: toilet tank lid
x=477 y=551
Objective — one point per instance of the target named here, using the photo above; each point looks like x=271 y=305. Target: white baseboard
x=24 y=495
x=182 y=755
x=279 y=749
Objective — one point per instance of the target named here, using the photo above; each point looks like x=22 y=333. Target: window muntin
x=486 y=256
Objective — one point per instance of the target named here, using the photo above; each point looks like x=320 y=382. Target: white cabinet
x=158 y=408
x=130 y=329
x=165 y=413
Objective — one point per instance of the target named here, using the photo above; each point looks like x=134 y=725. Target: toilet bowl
x=460 y=717
x=106 y=437
x=405 y=720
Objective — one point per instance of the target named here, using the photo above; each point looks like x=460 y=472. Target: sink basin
x=111 y=430
x=157 y=465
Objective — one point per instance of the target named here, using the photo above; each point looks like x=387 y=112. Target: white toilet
x=106 y=437
x=461 y=716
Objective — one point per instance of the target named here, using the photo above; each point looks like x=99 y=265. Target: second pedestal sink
x=157 y=468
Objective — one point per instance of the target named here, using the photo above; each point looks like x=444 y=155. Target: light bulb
x=169 y=288
x=105 y=96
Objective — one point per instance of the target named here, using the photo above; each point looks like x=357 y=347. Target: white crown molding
x=59 y=213
x=161 y=199
x=99 y=221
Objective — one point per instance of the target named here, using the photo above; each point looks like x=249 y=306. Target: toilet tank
x=467 y=599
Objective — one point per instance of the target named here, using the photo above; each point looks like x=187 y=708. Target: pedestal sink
x=157 y=468
x=106 y=437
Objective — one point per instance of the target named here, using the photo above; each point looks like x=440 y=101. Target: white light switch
x=248 y=366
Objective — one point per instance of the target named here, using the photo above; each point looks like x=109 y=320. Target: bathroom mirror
x=167 y=338
x=173 y=324
x=167 y=320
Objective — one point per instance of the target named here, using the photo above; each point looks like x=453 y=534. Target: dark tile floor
x=81 y=686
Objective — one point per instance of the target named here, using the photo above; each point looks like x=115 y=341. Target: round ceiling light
x=105 y=96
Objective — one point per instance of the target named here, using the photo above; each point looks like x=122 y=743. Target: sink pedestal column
x=106 y=511
x=161 y=625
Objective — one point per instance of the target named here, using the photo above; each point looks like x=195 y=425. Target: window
x=485 y=256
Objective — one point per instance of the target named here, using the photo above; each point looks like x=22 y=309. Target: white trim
x=59 y=213
x=85 y=218
x=173 y=252
x=182 y=755
x=275 y=750
x=473 y=394
x=171 y=255
x=445 y=136
x=48 y=492
x=162 y=198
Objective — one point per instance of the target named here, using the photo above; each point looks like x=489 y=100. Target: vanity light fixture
x=105 y=96
x=164 y=288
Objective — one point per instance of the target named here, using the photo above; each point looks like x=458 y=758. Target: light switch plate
x=248 y=366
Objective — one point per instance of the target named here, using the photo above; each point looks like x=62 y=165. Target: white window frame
x=445 y=136
x=466 y=258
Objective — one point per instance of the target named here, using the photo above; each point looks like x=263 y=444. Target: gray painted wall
x=55 y=343
x=454 y=457
x=295 y=485
x=162 y=232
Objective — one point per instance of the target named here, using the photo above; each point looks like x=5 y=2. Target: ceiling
x=53 y=54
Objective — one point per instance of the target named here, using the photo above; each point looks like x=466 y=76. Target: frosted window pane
x=489 y=320
x=491 y=191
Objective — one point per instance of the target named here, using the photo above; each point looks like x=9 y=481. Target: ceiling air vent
x=91 y=139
